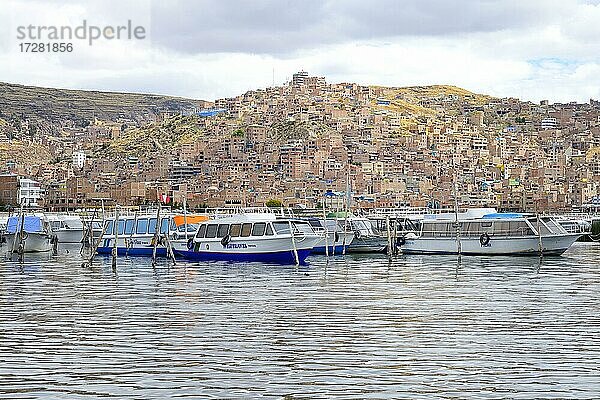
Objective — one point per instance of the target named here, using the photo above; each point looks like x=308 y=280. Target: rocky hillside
x=18 y=101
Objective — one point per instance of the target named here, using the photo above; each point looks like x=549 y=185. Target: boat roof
x=503 y=216
x=31 y=224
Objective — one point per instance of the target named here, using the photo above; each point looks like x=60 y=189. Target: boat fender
x=400 y=241
x=175 y=236
x=357 y=234
x=190 y=244
x=336 y=237
x=225 y=240
x=484 y=239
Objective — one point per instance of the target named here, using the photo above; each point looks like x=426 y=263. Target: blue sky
x=209 y=49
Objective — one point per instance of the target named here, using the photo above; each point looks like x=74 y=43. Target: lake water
x=360 y=327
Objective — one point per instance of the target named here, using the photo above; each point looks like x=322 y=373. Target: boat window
x=259 y=229
x=223 y=230
x=190 y=227
x=201 y=231
x=501 y=228
x=164 y=225
x=108 y=228
x=235 y=230
x=281 y=227
x=174 y=225
x=519 y=228
x=121 y=226
x=315 y=223
x=550 y=223
x=330 y=224
x=211 y=231
x=152 y=225
x=269 y=231
x=129 y=224
x=246 y=230
x=142 y=226
x=302 y=227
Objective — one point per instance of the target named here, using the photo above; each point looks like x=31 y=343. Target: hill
x=18 y=101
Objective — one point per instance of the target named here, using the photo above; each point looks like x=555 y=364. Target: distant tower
x=299 y=77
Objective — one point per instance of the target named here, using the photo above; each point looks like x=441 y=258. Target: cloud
x=283 y=26
x=210 y=49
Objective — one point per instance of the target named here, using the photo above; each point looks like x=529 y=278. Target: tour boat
x=135 y=235
x=67 y=228
x=486 y=232
x=337 y=240
x=29 y=234
x=260 y=237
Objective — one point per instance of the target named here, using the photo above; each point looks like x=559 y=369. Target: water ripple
x=355 y=327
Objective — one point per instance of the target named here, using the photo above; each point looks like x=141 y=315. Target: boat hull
x=368 y=244
x=134 y=251
x=276 y=257
x=335 y=246
x=551 y=245
x=35 y=242
x=267 y=250
x=69 y=235
x=132 y=246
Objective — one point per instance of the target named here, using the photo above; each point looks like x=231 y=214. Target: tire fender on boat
x=225 y=240
x=190 y=244
x=484 y=239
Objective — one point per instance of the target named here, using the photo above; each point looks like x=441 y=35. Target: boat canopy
x=502 y=216
x=191 y=219
x=31 y=224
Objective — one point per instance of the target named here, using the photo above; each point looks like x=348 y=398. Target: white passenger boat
x=135 y=235
x=338 y=239
x=259 y=237
x=486 y=232
x=68 y=228
x=29 y=234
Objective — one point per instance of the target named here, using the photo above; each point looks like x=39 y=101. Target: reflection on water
x=355 y=327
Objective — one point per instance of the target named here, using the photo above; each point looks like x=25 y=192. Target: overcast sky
x=533 y=49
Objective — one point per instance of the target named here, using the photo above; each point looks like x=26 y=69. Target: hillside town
x=309 y=142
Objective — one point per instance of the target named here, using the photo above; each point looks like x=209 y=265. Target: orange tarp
x=191 y=219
